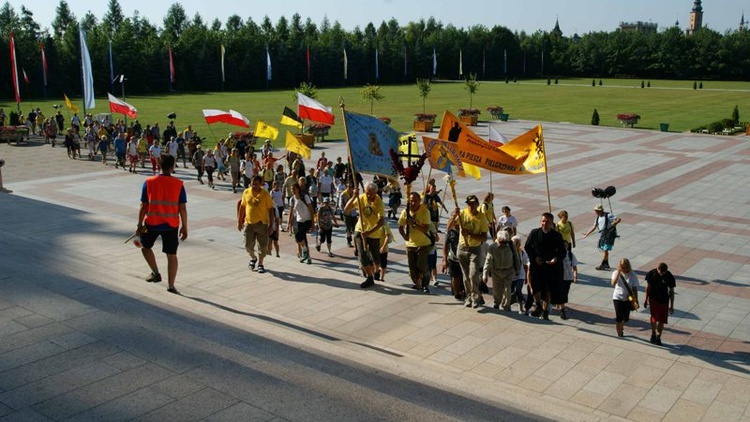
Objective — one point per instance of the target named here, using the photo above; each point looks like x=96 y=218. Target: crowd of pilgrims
x=329 y=185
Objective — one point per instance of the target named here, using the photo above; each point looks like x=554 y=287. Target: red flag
x=25 y=77
x=230 y=117
x=308 y=63
x=117 y=105
x=44 y=64
x=171 y=65
x=313 y=110
x=14 y=69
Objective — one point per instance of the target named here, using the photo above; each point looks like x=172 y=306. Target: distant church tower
x=742 y=22
x=696 y=18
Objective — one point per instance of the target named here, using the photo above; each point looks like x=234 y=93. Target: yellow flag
x=403 y=144
x=70 y=105
x=528 y=146
x=262 y=130
x=295 y=145
x=472 y=171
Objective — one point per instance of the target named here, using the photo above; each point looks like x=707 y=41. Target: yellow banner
x=403 y=144
x=295 y=145
x=70 y=105
x=522 y=155
x=263 y=130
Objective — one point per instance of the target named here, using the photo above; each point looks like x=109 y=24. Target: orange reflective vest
x=163 y=200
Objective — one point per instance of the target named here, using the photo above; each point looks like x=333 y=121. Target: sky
x=575 y=16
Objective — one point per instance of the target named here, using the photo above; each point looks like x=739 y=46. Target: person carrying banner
x=415 y=229
x=473 y=234
x=367 y=232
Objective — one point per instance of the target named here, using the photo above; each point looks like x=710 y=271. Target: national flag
x=309 y=109
x=370 y=142
x=460 y=63
x=293 y=144
x=117 y=105
x=434 y=62
x=443 y=155
x=14 y=69
x=44 y=64
x=171 y=65
x=88 y=77
x=308 y=63
x=230 y=117
x=25 y=76
x=290 y=118
x=346 y=65
x=496 y=138
x=405 y=62
x=223 y=52
x=69 y=104
x=404 y=142
x=263 y=130
x=377 y=67
x=268 y=65
x=505 y=62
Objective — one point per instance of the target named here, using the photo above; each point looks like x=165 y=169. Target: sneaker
x=426 y=289
x=261 y=270
x=330 y=254
x=317 y=248
x=563 y=315
x=480 y=301
x=475 y=305
x=367 y=283
x=658 y=340
x=521 y=312
x=436 y=283
x=467 y=303
x=153 y=277
x=309 y=261
x=251 y=264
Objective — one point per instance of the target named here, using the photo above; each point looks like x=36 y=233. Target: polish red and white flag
x=117 y=105
x=312 y=110
x=230 y=117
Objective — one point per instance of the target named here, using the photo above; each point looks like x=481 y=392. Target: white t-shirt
x=278 y=198
x=172 y=148
x=620 y=292
x=568 y=264
x=301 y=210
x=524 y=264
x=504 y=221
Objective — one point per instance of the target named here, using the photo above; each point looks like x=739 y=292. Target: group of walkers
x=535 y=274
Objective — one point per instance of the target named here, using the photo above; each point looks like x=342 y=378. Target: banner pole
x=546 y=168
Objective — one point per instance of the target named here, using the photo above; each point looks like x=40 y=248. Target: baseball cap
x=472 y=199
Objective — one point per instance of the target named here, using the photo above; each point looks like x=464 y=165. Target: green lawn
x=571 y=100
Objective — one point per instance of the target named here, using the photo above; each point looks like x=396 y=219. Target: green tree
x=114 y=17
x=736 y=116
x=471 y=85
x=175 y=21
x=424 y=87
x=595 y=118
x=371 y=94
x=63 y=19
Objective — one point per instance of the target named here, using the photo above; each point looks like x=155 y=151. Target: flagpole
x=546 y=170
x=353 y=174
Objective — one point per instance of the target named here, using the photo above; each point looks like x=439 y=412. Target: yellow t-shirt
x=143 y=145
x=565 y=230
x=372 y=212
x=473 y=225
x=417 y=237
x=256 y=206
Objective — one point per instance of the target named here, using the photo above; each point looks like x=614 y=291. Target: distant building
x=556 y=31
x=696 y=18
x=743 y=23
x=642 y=27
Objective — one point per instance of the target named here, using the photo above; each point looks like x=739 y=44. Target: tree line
x=404 y=53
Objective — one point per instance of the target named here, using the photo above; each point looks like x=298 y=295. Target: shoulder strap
x=625 y=282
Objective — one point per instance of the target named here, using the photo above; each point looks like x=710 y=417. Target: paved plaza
x=82 y=336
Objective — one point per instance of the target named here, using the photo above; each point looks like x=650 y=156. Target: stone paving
x=682 y=197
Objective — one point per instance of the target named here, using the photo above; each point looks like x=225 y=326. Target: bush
x=593 y=82
x=600 y=82
x=595 y=118
x=643 y=84
x=549 y=81
x=715 y=127
x=555 y=81
x=648 y=84
x=695 y=85
x=736 y=115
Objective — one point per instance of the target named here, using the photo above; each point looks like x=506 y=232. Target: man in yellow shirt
x=416 y=232
x=473 y=233
x=367 y=232
x=255 y=212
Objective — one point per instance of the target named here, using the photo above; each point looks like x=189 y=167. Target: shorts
x=658 y=311
x=431 y=261
x=274 y=236
x=372 y=257
x=383 y=260
x=169 y=240
x=300 y=232
x=622 y=310
x=325 y=235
